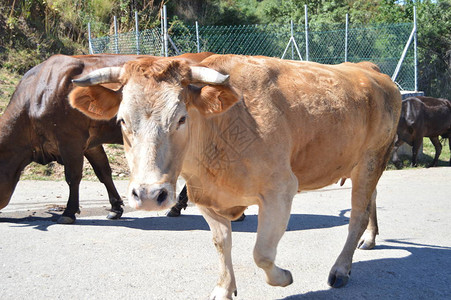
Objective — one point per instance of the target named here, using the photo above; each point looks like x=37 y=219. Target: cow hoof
x=366 y=244
x=290 y=278
x=114 y=214
x=241 y=218
x=283 y=279
x=174 y=212
x=337 y=281
x=66 y=220
x=220 y=293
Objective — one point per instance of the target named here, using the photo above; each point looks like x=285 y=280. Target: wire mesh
x=381 y=44
x=125 y=43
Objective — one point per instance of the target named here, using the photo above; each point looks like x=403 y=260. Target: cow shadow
x=183 y=223
x=424 y=161
x=424 y=273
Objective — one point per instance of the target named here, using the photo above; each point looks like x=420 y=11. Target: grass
x=8 y=82
x=428 y=156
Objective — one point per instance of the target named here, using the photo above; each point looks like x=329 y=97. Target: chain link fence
x=149 y=42
x=381 y=44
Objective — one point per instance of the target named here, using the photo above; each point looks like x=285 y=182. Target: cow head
x=154 y=107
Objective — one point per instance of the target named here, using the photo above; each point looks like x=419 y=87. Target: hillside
x=33 y=30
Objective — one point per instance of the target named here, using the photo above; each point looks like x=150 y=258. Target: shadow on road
x=414 y=271
x=425 y=273
x=182 y=223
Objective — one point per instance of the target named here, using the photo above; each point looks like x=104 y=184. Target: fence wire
x=125 y=43
x=381 y=44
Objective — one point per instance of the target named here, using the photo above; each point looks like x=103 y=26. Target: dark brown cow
x=423 y=117
x=39 y=125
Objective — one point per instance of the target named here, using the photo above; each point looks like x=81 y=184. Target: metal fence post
x=346 y=38
x=116 y=46
x=415 y=47
x=89 y=39
x=165 y=28
x=137 y=32
x=162 y=32
x=292 y=45
x=306 y=33
x=197 y=37
x=292 y=40
x=404 y=52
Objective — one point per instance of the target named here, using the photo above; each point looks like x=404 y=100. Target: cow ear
x=213 y=99
x=97 y=102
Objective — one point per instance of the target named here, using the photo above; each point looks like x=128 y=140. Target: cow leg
x=395 y=158
x=222 y=238
x=272 y=223
x=415 y=147
x=99 y=162
x=449 y=145
x=182 y=203
x=73 y=168
x=10 y=175
x=438 y=150
x=368 y=240
x=364 y=180
x=273 y=216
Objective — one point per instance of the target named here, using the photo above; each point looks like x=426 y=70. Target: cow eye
x=121 y=121
x=182 y=120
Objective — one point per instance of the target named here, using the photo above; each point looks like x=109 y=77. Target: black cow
x=423 y=117
x=39 y=125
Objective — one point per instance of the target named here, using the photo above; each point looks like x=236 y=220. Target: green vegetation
x=8 y=82
x=428 y=156
x=32 y=30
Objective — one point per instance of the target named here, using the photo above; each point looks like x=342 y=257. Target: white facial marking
x=155 y=124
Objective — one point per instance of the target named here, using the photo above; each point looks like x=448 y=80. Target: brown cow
x=39 y=125
x=251 y=131
x=423 y=117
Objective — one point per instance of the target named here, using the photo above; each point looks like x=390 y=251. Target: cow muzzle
x=151 y=196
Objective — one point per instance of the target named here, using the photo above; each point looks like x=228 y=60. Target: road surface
x=149 y=256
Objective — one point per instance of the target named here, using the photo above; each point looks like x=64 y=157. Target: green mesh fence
x=149 y=42
x=381 y=44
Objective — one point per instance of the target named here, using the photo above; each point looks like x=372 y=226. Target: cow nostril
x=162 y=196
x=135 y=194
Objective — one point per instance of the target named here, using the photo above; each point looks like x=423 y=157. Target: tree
x=434 y=44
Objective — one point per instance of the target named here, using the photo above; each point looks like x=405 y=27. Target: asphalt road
x=149 y=256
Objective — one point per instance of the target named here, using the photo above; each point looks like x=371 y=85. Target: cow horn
x=104 y=75
x=207 y=75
